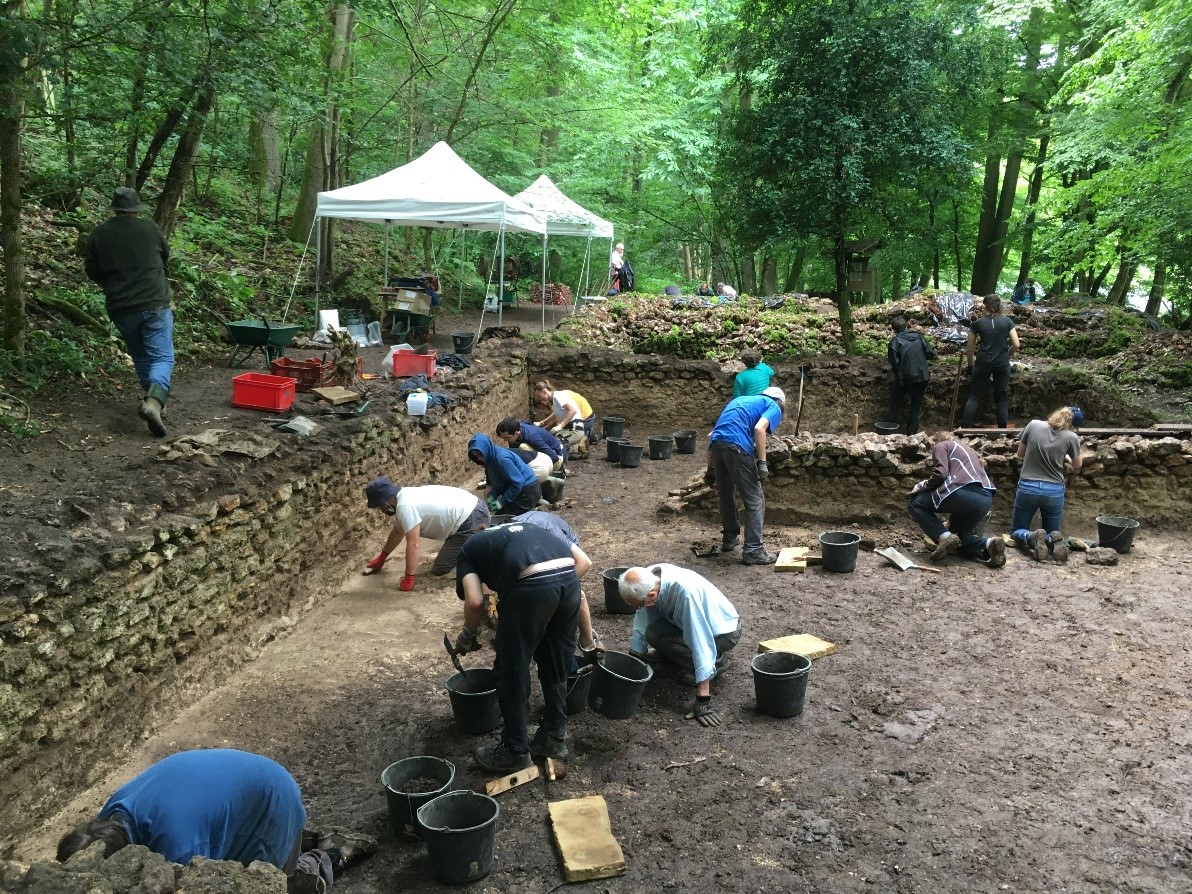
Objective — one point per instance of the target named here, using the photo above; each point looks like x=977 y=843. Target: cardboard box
x=411 y=300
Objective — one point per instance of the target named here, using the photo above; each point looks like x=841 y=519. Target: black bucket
x=613 y=603
x=613 y=448
x=578 y=688
x=614 y=427
x=617 y=685
x=886 y=428
x=403 y=805
x=460 y=831
x=660 y=447
x=474 y=700
x=1116 y=531
x=839 y=550
x=631 y=456
x=780 y=682
x=685 y=441
x=463 y=342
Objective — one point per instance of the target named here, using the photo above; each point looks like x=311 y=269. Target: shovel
x=904 y=563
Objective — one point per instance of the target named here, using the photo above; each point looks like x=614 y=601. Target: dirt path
x=1025 y=730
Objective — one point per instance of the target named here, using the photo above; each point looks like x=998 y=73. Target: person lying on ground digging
x=535 y=574
x=569 y=410
x=510 y=485
x=688 y=621
x=450 y=514
x=737 y=464
x=221 y=804
x=530 y=438
x=958 y=487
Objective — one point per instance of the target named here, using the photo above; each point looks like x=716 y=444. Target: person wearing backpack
x=908 y=353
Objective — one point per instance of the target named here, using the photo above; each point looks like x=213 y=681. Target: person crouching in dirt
x=536 y=576
x=550 y=452
x=688 y=621
x=1048 y=449
x=221 y=804
x=569 y=410
x=510 y=484
x=737 y=464
x=958 y=487
x=450 y=514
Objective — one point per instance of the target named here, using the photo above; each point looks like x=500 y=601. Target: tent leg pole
x=463 y=236
x=543 y=295
x=318 y=264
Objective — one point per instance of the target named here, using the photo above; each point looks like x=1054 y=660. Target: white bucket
x=416 y=403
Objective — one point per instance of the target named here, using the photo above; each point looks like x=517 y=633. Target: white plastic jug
x=416 y=403
x=374 y=333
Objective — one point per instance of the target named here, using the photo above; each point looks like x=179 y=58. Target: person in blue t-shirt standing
x=737 y=464
x=221 y=804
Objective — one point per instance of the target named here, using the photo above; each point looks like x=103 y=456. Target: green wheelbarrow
x=249 y=336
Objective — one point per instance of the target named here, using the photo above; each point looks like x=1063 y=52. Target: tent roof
x=563 y=216
x=437 y=189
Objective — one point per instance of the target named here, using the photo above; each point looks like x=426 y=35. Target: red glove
x=407 y=583
x=377 y=563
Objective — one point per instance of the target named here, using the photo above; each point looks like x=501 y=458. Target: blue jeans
x=1044 y=497
x=149 y=337
x=965 y=508
x=983 y=376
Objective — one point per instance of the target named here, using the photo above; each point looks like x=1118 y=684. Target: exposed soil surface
x=1017 y=730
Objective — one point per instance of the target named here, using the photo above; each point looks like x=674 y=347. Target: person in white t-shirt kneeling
x=450 y=514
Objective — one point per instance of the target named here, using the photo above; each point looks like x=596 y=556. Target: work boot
x=306 y=881
x=1059 y=548
x=152 y=407
x=1037 y=541
x=996 y=548
x=351 y=846
x=758 y=557
x=545 y=745
x=499 y=759
x=729 y=544
x=948 y=545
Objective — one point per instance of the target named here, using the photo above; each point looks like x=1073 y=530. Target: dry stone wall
x=833 y=478
x=162 y=611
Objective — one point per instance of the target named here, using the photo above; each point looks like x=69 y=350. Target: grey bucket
x=617 y=685
x=685 y=441
x=839 y=551
x=578 y=688
x=660 y=447
x=1116 y=531
x=613 y=603
x=463 y=342
x=474 y=700
x=780 y=682
x=886 y=428
x=403 y=805
x=631 y=456
x=614 y=426
x=460 y=831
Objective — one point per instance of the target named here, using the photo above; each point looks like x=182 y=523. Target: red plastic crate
x=309 y=373
x=408 y=363
x=260 y=391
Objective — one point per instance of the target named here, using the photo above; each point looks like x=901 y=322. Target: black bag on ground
x=626 y=277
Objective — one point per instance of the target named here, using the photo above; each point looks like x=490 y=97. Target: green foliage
x=1121 y=330
x=551 y=337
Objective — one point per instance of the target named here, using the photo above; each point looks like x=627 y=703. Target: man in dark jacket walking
x=126 y=256
x=908 y=353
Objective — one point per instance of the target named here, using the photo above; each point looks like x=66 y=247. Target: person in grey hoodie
x=909 y=354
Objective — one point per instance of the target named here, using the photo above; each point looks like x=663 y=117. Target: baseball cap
x=1077 y=416
x=379 y=491
x=776 y=393
x=126 y=199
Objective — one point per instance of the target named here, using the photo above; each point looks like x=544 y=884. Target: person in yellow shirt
x=569 y=410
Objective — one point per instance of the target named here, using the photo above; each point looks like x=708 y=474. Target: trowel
x=454 y=655
x=904 y=563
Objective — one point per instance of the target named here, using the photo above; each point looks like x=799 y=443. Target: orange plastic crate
x=259 y=391
x=407 y=363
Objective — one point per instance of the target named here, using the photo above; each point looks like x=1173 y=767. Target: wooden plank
x=1085 y=431
x=799 y=643
x=335 y=394
x=792 y=558
x=513 y=780
x=584 y=836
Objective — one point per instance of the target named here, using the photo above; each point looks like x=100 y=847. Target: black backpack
x=626 y=277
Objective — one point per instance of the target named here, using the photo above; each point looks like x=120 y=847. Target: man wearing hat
x=450 y=514
x=737 y=464
x=126 y=256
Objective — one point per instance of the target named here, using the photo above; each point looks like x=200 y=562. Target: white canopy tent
x=437 y=189
x=564 y=218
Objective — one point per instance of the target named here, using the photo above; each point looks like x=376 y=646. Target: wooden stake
x=956 y=390
x=856 y=423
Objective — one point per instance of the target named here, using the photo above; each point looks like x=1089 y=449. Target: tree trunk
x=895 y=283
x=165 y=130
x=181 y=165
x=769 y=273
x=1154 y=301
x=748 y=283
x=1120 y=290
x=843 y=304
x=1032 y=202
x=12 y=109
x=794 y=273
x=985 y=251
x=686 y=262
x=312 y=182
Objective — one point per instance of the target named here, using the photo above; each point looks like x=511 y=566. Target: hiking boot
x=996 y=548
x=499 y=759
x=150 y=411
x=306 y=881
x=352 y=846
x=729 y=544
x=544 y=745
x=1059 y=548
x=759 y=557
x=1037 y=541
x=948 y=545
